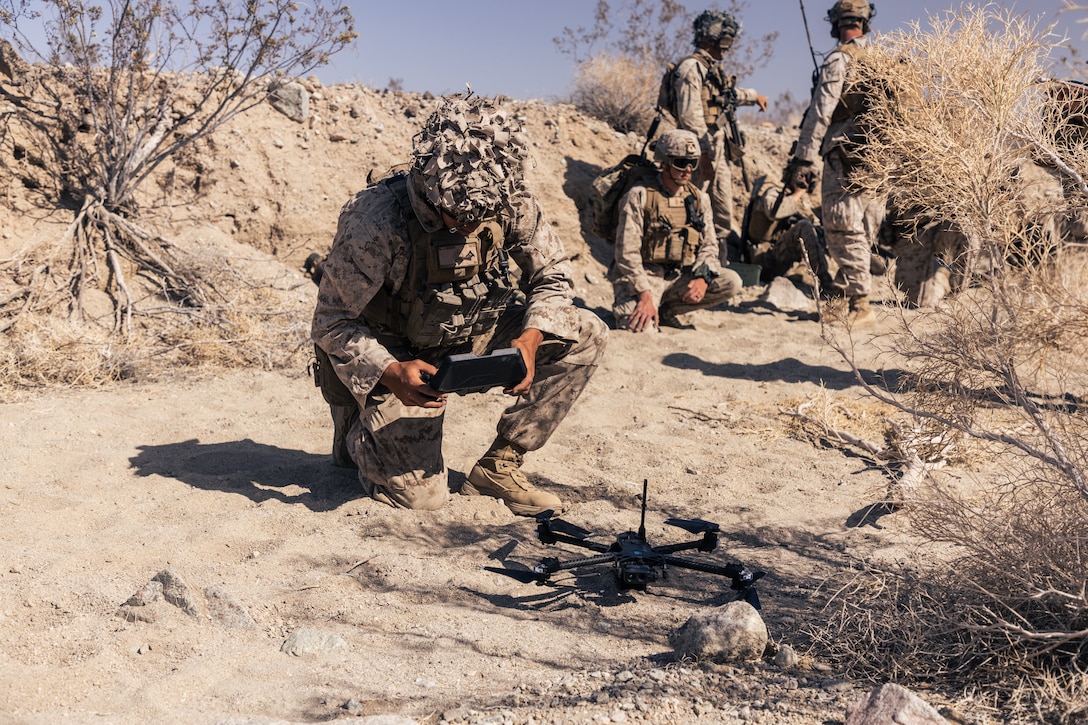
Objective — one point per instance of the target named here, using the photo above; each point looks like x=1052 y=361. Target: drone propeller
x=525 y=576
x=559 y=526
x=693 y=526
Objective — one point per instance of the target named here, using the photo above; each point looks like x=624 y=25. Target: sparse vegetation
x=119 y=91
x=999 y=591
x=620 y=58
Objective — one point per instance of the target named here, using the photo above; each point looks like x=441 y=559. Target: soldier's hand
x=645 y=313
x=404 y=380
x=528 y=342
x=762 y=102
x=696 y=291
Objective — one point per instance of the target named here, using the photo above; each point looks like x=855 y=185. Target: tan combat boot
x=861 y=312
x=498 y=474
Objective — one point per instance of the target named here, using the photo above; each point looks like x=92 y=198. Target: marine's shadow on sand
x=256 y=470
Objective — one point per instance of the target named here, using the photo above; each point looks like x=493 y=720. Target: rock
x=224 y=610
x=782 y=294
x=733 y=633
x=292 y=100
x=892 y=703
x=786 y=657
x=313 y=641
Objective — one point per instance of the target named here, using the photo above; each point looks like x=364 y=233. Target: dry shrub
x=959 y=127
x=617 y=89
x=44 y=350
x=257 y=315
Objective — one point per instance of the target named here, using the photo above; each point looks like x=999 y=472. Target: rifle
x=729 y=109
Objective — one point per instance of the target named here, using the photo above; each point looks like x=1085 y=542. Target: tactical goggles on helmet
x=684 y=163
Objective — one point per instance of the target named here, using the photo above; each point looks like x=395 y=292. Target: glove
x=799 y=174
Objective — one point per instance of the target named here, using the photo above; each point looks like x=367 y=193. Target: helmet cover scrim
x=470 y=158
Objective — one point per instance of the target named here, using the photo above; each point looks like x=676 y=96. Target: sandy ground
x=224 y=481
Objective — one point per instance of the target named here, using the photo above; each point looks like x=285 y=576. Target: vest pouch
x=453 y=258
x=497 y=298
x=436 y=319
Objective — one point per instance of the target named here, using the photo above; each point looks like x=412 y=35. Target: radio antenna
x=808 y=35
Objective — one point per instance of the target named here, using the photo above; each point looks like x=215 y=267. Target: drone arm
x=708 y=543
x=552 y=537
x=733 y=571
x=550 y=566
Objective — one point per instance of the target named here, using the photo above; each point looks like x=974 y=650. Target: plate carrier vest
x=670 y=237
x=454 y=289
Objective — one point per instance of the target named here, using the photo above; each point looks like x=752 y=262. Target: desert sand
x=223 y=480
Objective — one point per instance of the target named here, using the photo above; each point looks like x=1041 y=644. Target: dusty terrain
x=224 y=480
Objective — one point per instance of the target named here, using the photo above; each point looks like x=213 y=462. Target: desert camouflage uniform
x=851 y=220
x=699 y=80
x=778 y=244
x=631 y=275
x=398 y=448
x=932 y=259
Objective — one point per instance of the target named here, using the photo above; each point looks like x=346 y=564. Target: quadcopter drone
x=634 y=561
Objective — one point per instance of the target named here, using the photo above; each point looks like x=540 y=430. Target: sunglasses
x=684 y=163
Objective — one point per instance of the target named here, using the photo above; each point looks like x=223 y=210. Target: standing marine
x=704 y=101
x=832 y=129
x=421 y=268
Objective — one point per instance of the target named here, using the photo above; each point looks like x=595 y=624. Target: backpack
x=666 y=92
x=611 y=185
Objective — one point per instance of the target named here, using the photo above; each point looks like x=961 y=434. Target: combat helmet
x=712 y=26
x=676 y=143
x=861 y=11
x=470 y=158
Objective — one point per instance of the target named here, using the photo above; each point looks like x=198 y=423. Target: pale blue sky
x=505 y=46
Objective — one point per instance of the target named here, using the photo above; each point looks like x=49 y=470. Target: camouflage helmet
x=676 y=144
x=470 y=158
x=711 y=25
x=860 y=11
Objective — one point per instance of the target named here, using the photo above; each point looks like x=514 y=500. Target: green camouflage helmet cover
x=860 y=11
x=470 y=158
x=676 y=144
x=711 y=25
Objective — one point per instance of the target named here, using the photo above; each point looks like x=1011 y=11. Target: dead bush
x=615 y=89
x=961 y=127
x=119 y=92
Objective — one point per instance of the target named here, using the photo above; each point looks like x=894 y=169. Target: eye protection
x=684 y=163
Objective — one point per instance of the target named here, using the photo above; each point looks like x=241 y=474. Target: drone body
x=636 y=563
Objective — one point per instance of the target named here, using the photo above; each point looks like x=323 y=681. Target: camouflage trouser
x=398 y=448
x=851 y=222
x=720 y=190
x=931 y=263
x=722 y=288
